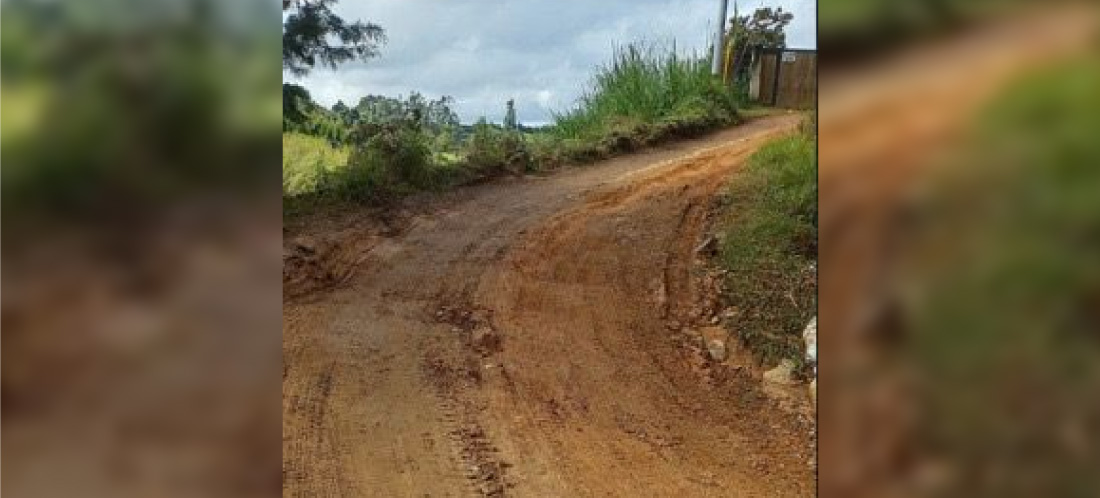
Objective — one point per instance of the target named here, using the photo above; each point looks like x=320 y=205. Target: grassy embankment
x=769 y=246
x=644 y=96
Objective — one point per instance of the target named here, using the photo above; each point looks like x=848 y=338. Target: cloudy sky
x=539 y=52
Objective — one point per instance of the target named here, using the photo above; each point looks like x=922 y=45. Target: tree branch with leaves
x=313 y=34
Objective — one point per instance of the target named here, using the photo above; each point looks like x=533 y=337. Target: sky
x=541 y=53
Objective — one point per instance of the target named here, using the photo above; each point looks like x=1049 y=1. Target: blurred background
x=140 y=151
x=960 y=229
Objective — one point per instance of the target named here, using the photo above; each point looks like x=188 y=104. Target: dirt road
x=527 y=338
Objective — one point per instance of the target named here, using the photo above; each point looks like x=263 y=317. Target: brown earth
x=534 y=337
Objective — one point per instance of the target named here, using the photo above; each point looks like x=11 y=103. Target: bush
x=492 y=151
x=387 y=160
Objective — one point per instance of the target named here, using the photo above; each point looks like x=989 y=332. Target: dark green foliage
x=347 y=115
x=433 y=115
x=765 y=28
x=297 y=104
x=387 y=160
x=302 y=115
x=310 y=29
x=492 y=150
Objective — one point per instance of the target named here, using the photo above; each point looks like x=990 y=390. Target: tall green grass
x=647 y=85
x=306 y=160
x=644 y=95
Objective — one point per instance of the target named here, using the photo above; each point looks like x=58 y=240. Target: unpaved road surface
x=526 y=338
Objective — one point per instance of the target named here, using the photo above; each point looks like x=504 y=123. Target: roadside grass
x=306 y=160
x=646 y=95
x=768 y=247
x=394 y=162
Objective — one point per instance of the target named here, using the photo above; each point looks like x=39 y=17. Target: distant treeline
x=436 y=117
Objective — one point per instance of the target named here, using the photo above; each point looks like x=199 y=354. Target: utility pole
x=716 y=67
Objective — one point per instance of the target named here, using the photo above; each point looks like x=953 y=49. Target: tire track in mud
x=453 y=380
x=572 y=302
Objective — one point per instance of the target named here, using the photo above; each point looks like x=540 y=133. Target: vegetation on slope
x=384 y=148
x=769 y=246
x=646 y=92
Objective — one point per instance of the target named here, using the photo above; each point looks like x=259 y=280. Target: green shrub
x=388 y=160
x=491 y=150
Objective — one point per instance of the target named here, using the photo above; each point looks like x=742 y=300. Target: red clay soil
x=530 y=338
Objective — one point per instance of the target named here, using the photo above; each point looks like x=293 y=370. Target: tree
x=440 y=115
x=313 y=34
x=510 y=116
x=296 y=106
x=765 y=28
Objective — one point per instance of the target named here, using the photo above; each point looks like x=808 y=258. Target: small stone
x=714 y=340
x=809 y=336
x=717 y=350
x=783 y=374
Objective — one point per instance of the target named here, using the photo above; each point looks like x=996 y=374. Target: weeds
x=307 y=160
x=770 y=244
x=644 y=84
x=492 y=151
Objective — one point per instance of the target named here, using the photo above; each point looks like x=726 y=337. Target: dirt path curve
x=524 y=340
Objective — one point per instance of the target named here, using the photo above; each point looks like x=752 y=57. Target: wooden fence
x=786 y=78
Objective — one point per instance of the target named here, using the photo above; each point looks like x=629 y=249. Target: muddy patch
x=474 y=327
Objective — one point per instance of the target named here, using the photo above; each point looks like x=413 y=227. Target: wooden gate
x=788 y=78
